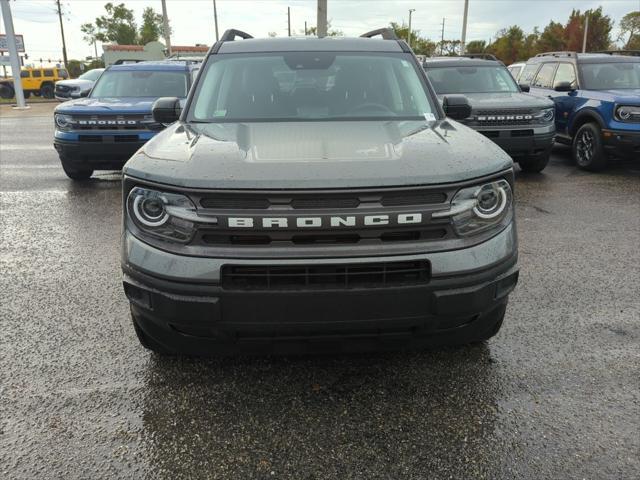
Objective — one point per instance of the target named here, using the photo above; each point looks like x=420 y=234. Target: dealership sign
x=4 y=47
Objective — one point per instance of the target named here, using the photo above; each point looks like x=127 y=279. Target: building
x=150 y=51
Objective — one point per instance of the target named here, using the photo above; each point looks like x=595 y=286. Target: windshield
x=140 y=83
x=610 y=76
x=91 y=74
x=488 y=79
x=291 y=86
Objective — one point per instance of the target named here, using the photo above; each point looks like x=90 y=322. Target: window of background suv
x=36 y=73
x=489 y=79
x=608 y=76
x=310 y=86
x=25 y=74
x=544 y=78
x=528 y=73
x=140 y=83
x=91 y=74
x=48 y=73
x=565 y=73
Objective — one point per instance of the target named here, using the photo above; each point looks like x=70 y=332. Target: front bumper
x=179 y=302
x=522 y=141
x=106 y=154
x=622 y=143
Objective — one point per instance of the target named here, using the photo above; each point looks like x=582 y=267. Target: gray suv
x=312 y=194
x=522 y=124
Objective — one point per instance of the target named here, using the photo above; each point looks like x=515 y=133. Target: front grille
x=522 y=133
x=118 y=122
x=62 y=88
x=486 y=118
x=108 y=138
x=339 y=276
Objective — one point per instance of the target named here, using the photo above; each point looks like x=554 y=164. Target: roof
x=124 y=48
x=437 y=62
x=140 y=48
x=163 y=65
x=304 y=44
x=189 y=48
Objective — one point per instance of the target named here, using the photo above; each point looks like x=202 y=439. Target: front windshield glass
x=610 y=76
x=307 y=86
x=489 y=79
x=91 y=74
x=140 y=83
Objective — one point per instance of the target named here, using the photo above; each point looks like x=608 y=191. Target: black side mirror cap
x=563 y=87
x=456 y=107
x=85 y=93
x=525 y=88
x=166 y=110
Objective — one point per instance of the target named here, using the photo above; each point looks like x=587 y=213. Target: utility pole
x=165 y=23
x=64 y=44
x=586 y=31
x=411 y=10
x=215 y=19
x=321 y=23
x=305 y=28
x=442 y=38
x=289 y=21
x=13 y=53
x=463 y=43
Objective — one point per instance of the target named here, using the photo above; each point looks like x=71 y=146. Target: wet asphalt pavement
x=556 y=395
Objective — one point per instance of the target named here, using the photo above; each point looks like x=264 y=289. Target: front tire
x=75 y=173
x=587 y=148
x=534 y=164
x=46 y=91
x=6 y=91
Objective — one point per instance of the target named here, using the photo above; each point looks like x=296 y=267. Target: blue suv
x=597 y=97
x=103 y=130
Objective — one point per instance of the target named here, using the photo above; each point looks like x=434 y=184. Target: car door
x=36 y=76
x=565 y=101
x=25 y=77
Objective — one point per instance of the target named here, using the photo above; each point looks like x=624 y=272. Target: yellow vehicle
x=39 y=81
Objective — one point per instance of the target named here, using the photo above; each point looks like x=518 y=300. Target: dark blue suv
x=102 y=131
x=597 y=97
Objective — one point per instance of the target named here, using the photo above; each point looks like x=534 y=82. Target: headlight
x=63 y=122
x=167 y=216
x=628 y=113
x=480 y=208
x=545 y=115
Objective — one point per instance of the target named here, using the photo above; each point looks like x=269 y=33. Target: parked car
x=37 y=81
x=597 y=99
x=521 y=124
x=515 y=69
x=335 y=208
x=77 y=87
x=102 y=131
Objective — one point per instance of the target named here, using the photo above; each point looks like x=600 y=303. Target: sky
x=192 y=20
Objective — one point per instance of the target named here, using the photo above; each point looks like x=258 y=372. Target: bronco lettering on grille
x=107 y=122
x=326 y=221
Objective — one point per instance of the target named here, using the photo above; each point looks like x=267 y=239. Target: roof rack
x=633 y=53
x=231 y=34
x=481 y=56
x=385 y=33
x=558 y=54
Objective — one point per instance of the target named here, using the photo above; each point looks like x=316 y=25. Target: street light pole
x=165 y=22
x=13 y=53
x=321 y=19
x=215 y=18
x=64 y=44
x=411 y=10
x=463 y=43
x=586 y=31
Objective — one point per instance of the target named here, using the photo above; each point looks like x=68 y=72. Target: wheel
x=37 y=94
x=75 y=173
x=26 y=94
x=146 y=341
x=6 y=91
x=534 y=163
x=46 y=91
x=587 y=148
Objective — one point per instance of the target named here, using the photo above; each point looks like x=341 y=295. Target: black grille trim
x=333 y=276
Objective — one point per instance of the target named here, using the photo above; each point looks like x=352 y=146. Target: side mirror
x=525 y=88
x=563 y=87
x=166 y=110
x=456 y=107
x=85 y=93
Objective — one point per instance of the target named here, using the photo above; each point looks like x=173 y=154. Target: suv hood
x=96 y=106
x=291 y=155
x=506 y=100
x=629 y=95
x=76 y=82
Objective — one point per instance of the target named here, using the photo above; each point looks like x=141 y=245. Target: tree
x=117 y=26
x=598 y=36
x=449 y=48
x=552 y=38
x=630 y=25
x=476 y=46
x=152 y=27
x=90 y=35
x=331 y=32
x=420 y=45
x=509 y=45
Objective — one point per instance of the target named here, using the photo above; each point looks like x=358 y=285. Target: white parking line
x=26 y=147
